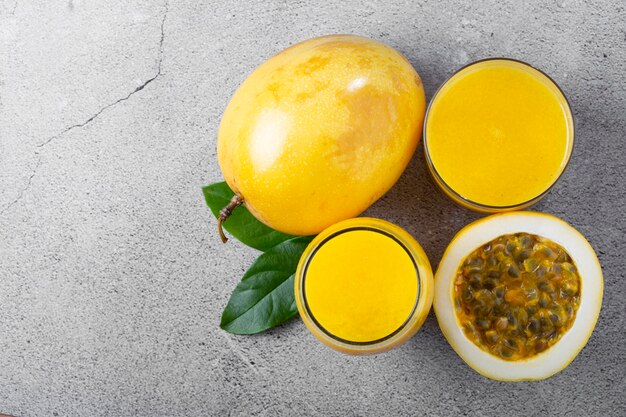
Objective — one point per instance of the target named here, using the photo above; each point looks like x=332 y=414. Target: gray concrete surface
x=112 y=277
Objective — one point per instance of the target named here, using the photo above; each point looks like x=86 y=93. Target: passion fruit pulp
x=531 y=320
x=516 y=295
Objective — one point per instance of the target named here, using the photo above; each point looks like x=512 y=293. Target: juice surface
x=499 y=133
x=361 y=285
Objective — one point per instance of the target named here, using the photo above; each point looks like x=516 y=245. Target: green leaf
x=241 y=224
x=264 y=298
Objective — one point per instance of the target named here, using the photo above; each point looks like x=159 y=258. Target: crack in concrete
x=14 y=8
x=239 y=352
x=23 y=190
x=98 y=113
x=129 y=95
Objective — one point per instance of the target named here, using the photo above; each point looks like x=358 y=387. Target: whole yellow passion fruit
x=320 y=131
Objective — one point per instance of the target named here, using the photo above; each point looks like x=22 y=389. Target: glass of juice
x=363 y=286
x=498 y=134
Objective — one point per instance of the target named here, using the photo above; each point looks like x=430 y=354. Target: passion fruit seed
x=517 y=295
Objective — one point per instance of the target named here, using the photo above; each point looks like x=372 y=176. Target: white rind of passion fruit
x=562 y=353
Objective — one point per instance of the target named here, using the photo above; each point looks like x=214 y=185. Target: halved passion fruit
x=517 y=295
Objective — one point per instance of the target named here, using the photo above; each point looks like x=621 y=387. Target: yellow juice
x=363 y=286
x=365 y=294
x=498 y=134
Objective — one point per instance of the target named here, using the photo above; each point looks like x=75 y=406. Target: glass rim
x=486 y=207
x=381 y=344
x=310 y=257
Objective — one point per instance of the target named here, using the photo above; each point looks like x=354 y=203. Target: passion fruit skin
x=320 y=131
x=562 y=353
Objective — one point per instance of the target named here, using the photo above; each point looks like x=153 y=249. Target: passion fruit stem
x=225 y=213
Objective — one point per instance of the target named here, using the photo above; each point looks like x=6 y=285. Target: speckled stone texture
x=113 y=279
